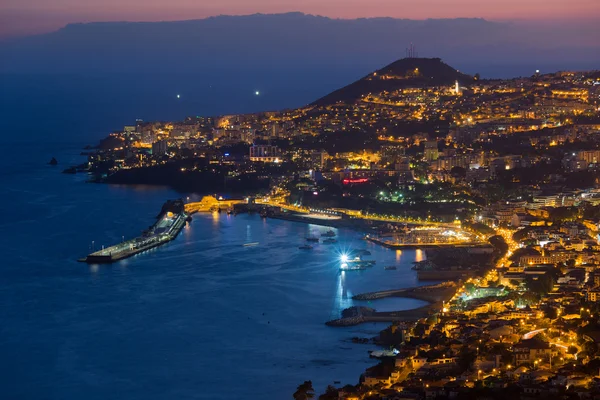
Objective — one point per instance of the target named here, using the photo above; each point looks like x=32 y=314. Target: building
x=318 y=159
x=264 y=153
x=531 y=350
x=159 y=148
x=431 y=151
x=593 y=296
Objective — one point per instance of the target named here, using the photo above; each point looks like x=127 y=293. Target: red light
x=359 y=180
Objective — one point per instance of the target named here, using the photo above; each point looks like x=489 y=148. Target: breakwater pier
x=433 y=294
x=166 y=228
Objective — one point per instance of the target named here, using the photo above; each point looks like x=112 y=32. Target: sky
x=26 y=17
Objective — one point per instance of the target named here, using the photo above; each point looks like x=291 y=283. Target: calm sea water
x=200 y=318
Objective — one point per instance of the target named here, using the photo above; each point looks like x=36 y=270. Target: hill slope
x=406 y=72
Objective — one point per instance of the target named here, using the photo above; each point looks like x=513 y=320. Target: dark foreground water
x=200 y=318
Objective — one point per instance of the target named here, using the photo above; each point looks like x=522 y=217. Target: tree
x=466 y=358
x=459 y=172
x=540 y=285
x=550 y=312
x=331 y=393
x=505 y=354
x=514 y=282
x=590 y=348
x=420 y=329
x=305 y=391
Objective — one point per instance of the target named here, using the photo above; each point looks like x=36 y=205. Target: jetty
x=429 y=293
x=169 y=223
x=433 y=294
x=358 y=315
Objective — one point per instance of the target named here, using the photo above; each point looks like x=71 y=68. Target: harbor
x=169 y=223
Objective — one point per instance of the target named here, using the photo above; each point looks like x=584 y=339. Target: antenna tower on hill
x=411 y=52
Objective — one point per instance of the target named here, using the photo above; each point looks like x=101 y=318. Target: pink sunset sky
x=23 y=17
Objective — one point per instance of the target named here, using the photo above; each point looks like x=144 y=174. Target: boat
x=383 y=353
x=329 y=233
x=250 y=244
x=306 y=247
x=312 y=239
x=329 y=240
x=346 y=267
x=390 y=267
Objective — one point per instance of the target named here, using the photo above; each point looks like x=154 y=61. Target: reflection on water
x=215 y=218
x=341 y=300
x=419 y=255
x=398 y=255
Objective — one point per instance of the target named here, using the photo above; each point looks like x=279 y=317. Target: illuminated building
x=431 y=150
x=159 y=148
x=264 y=153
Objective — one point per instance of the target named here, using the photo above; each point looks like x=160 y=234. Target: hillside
x=406 y=72
x=292 y=43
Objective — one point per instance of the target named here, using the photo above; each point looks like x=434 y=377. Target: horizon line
x=299 y=13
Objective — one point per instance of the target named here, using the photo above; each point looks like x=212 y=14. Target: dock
x=168 y=225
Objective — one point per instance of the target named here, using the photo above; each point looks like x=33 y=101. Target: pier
x=433 y=294
x=168 y=225
x=430 y=293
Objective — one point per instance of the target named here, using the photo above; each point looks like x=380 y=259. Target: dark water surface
x=200 y=318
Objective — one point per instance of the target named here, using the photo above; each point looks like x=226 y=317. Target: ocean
x=200 y=318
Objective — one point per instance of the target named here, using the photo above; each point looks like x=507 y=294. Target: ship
x=390 y=268
x=346 y=267
x=358 y=261
x=312 y=239
x=329 y=240
x=250 y=244
x=306 y=247
x=329 y=234
x=383 y=353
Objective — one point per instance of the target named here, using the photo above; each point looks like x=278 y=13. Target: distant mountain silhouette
x=406 y=72
x=294 y=42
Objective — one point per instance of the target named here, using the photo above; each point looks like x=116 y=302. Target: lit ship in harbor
x=356 y=263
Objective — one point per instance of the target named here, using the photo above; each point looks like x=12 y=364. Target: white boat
x=250 y=244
